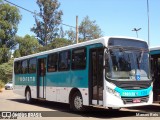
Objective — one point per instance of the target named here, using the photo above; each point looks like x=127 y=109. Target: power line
x=22 y=7
x=68 y=25
x=33 y=12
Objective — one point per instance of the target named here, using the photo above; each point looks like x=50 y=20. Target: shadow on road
x=62 y=110
x=149 y=108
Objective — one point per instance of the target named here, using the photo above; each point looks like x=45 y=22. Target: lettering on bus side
x=29 y=79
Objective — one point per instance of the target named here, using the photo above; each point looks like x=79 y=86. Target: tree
x=27 y=45
x=56 y=43
x=61 y=33
x=4 y=54
x=89 y=30
x=16 y=54
x=71 y=34
x=60 y=42
x=6 y=70
x=48 y=21
x=9 y=20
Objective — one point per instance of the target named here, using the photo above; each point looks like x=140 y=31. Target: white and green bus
x=109 y=72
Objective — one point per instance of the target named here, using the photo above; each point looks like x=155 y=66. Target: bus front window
x=126 y=64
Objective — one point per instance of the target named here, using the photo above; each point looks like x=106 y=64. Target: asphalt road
x=10 y=101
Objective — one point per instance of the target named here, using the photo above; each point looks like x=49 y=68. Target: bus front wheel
x=77 y=102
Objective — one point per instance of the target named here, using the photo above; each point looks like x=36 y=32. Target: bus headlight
x=110 y=90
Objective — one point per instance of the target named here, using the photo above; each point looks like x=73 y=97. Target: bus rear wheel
x=28 y=96
x=77 y=102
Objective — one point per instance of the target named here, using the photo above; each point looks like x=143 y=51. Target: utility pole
x=77 y=29
x=136 y=30
x=148 y=22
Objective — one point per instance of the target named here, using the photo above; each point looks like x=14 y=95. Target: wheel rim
x=28 y=96
x=78 y=102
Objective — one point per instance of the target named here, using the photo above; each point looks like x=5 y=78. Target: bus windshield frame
x=125 y=63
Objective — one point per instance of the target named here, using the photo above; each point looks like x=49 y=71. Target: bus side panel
x=18 y=89
x=22 y=81
x=80 y=81
x=59 y=84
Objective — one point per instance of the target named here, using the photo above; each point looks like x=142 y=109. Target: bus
x=155 y=71
x=109 y=72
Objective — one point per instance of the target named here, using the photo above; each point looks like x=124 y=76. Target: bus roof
x=103 y=40
x=154 y=48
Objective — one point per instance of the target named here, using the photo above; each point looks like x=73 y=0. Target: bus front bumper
x=117 y=102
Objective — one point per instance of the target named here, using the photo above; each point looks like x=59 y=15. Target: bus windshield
x=128 y=64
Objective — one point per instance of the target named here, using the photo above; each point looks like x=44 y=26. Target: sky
x=114 y=17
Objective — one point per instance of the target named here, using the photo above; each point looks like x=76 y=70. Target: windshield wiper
x=141 y=56
x=139 y=59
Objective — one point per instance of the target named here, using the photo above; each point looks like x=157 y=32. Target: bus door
x=96 y=76
x=41 y=79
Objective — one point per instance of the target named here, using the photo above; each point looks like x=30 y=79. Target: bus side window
x=24 y=66
x=52 y=62
x=79 y=59
x=64 y=61
x=32 y=65
x=17 y=67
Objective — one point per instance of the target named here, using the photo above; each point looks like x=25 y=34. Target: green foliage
x=60 y=42
x=6 y=71
x=46 y=25
x=4 y=54
x=71 y=34
x=89 y=30
x=27 y=45
x=1 y=85
x=16 y=54
x=9 y=20
x=56 y=43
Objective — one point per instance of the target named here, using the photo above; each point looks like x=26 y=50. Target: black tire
x=77 y=102
x=28 y=96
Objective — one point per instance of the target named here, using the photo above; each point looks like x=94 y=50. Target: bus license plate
x=136 y=100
